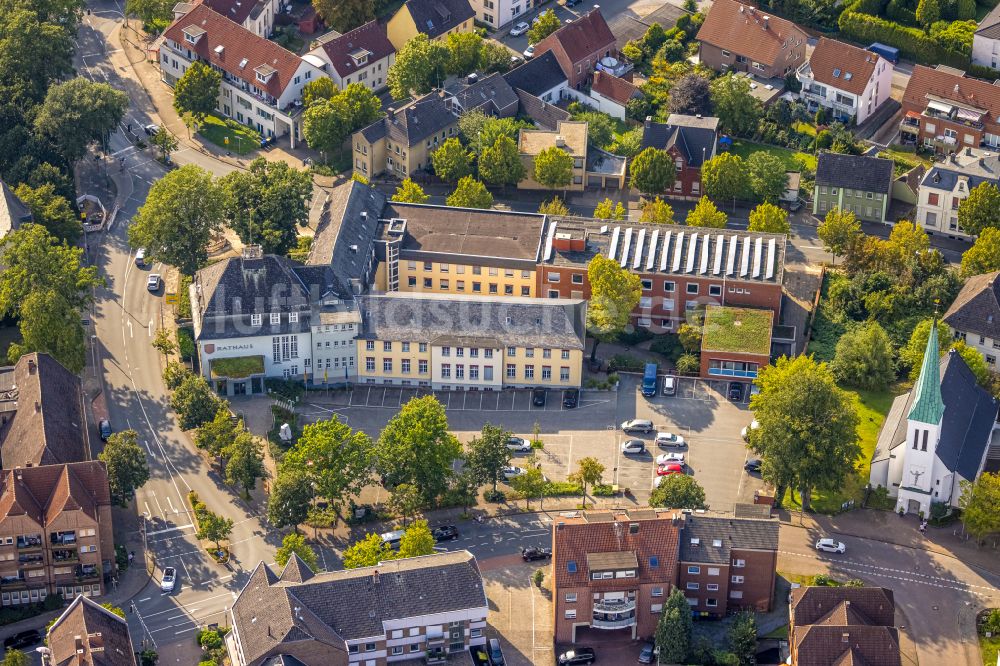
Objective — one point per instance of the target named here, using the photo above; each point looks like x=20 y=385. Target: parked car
x=745 y=433
x=752 y=465
x=516 y=60
x=580 y=655
x=495 y=653
x=153 y=282
x=669 y=385
x=735 y=391
x=532 y=553
x=529 y=52
x=669 y=439
x=105 y=429
x=573 y=3
x=638 y=425
x=511 y=472
x=151 y=129
x=647 y=653
x=519 y=29
x=672 y=468
x=169 y=579
x=538 y=397
x=518 y=444
x=633 y=446
x=393 y=539
x=22 y=639
x=445 y=533
x=669 y=458
x=140 y=257
x=831 y=546
x=571 y=398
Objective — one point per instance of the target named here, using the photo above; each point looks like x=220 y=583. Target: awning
x=939 y=107
x=966 y=114
x=913 y=114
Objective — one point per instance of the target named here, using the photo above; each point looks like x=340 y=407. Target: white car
x=529 y=52
x=519 y=29
x=670 y=458
x=830 y=546
x=511 y=472
x=669 y=439
x=169 y=579
x=518 y=444
x=633 y=446
x=153 y=282
x=745 y=433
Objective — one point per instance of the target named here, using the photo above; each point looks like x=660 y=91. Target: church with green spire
x=935 y=436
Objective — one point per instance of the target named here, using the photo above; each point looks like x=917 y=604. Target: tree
x=245 y=462
x=928 y=12
x=742 y=638
x=912 y=353
x=416 y=447
x=658 y=211
x=296 y=543
x=126 y=463
x=588 y=473
x=154 y=14
x=768 y=178
x=165 y=142
x=470 y=193
x=678 y=491
x=367 y=553
x=217 y=435
x=214 y=528
x=547 y=23
x=725 y=177
x=495 y=58
x=197 y=91
x=808 y=436
x=50 y=210
x=984 y=255
x=600 y=127
x=420 y=66
x=265 y=204
x=979 y=502
x=768 y=218
x=465 y=52
x=689 y=337
x=173 y=374
x=673 y=631
x=77 y=113
x=838 y=230
x=410 y=192
x=195 y=402
x=652 y=171
x=488 y=454
x=338 y=460
x=863 y=358
x=610 y=210
x=451 y=161
x=553 y=206
x=737 y=109
x=318 y=90
x=182 y=212
x=500 y=164
x=33 y=53
x=627 y=144
x=291 y=494
x=344 y=15
x=14 y=658
x=688 y=364
x=614 y=293
x=706 y=215
x=326 y=124
x=417 y=540
x=974 y=359
x=691 y=95
x=553 y=168
x=530 y=484
x=981 y=209
x=405 y=500
x=163 y=343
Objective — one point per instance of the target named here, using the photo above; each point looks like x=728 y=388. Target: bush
x=607 y=490
x=286 y=389
x=823 y=580
x=562 y=489
x=538 y=577
x=209 y=639
x=625 y=362
x=634 y=337
x=668 y=345
x=184 y=298
x=494 y=496
x=185 y=344
x=688 y=364
x=991 y=622
x=121 y=557
x=11 y=614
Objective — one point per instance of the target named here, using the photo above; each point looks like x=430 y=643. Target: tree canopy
x=553 y=168
x=336 y=460
x=546 y=24
x=51 y=210
x=416 y=447
x=981 y=209
x=296 y=544
x=488 y=454
x=614 y=293
x=864 y=358
x=737 y=109
x=78 y=113
x=344 y=15
x=678 y=491
x=610 y=210
x=500 y=164
x=725 y=177
x=657 y=211
x=266 y=203
x=838 y=230
x=126 y=463
x=770 y=219
x=979 y=502
x=691 y=95
x=420 y=66
x=653 y=171
x=291 y=493
x=768 y=178
x=197 y=91
x=410 y=192
x=451 y=161
x=470 y=193
x=984 y=255
x=705 y=214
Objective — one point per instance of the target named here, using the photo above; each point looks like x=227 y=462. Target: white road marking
x=171 y=504
x=169 y=529
x=144 y=599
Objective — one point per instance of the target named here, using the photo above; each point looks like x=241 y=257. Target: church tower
x=923 y=431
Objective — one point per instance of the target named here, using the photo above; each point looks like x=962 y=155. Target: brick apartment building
x=682 y=268
x=691 y=141
x=579 y=46
x=946 y=111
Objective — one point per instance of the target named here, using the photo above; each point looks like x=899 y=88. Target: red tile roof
x=830 y=57
x=44 y=492
x=740 y=28
x=950 y=86
x=839 y=626
x=371 y=37
x=584 y=36
x=614 y=88
x=237 y=44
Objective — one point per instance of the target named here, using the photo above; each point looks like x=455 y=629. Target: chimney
x=968 y=151
x=31 y=366
x=375 y=576
x=390 y=113
x=956 y=87
x=560 y=140
x=766 y=18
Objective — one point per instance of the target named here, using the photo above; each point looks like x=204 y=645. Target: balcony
x=64 y=555
x=945 y=140
x=8 y=582
x=87 y=571
x=63 y=538
x=614 y=606
x=29 y=542
x=613 y=624
x=31 y=560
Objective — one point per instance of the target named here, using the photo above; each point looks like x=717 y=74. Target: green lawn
x=242 y=140
x=903 y=160
x=794 y=160
x=989 y=647
x=804 y=128
x=779 y=633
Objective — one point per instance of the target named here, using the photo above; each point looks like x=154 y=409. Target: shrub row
x=860 y=21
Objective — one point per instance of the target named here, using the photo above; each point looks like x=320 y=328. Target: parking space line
x=480 y=400
x=384 y=393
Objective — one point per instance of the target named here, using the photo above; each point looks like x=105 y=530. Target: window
x=352 y=649
x=712 y=587
x=736 y=594
x=576 y=278
x=406 y=346
x=443 y=284
x=529 y=372
x=444 y=268
x=255 y=320
x=668 y=287
x=711 y=603
x=369 y=647
x=428 y=283
x=525 y=291
x=445 y=370
x=511 y=351
x=739 y=564
x=571 y=566
x=397 y=649
x=423 y=347
x=693 y=586
x=275 y=318
x=571 y=597
x=725 y=53
x=459 y=371
x=546 y=372
x=564 y=374
x=405 y=366
x=487 y=353
x=475 y=633
x=459 y=285
x=647 y=285
x=656 y=592
x=460 y=352
x=571 y=614
x=422 y=367
x=715 y=290
x=694 y=570
x=428 y=266
x=654 y=562
x=529 y=353
x=713 y=571
x=473 y=372
x=387 y=365
x=692 y=288
x=411 y=281
x=493 y=288
x=511 y=371
x=546 y=353
x=445 y=351
x=387 y=346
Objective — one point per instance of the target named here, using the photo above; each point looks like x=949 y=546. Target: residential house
x=542 y=77
x=740 y=37
x=613 y=93
x=935 y=436
x=420 y=607
x=401 y=143
x=736 y=342
x=579 y=46
x=490 y=94
x=855 y=183
x=681 y=268
x=570 y=136
x=56 y=535
x=362 y=55
x=946 y=111
x=947 y=183
x=498 y=13
x=435 y=18
x=849 y=81
x=261 y=81
x=691 y=141
x=463 y=342
x=257 y=16
x=974 y=316
x=13 y=211
x=986 y=41
x=829 y=626
x=612 y=572
x=727 y=564
x=87 y=634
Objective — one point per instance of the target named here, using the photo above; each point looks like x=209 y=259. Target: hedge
x=861 y=22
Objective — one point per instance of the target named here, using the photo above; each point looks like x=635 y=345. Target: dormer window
x=193 y=33
x=360 y=56
x=264 y=73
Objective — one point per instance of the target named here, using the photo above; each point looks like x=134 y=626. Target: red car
x=672 y=468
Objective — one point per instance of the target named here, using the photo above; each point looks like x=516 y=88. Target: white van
x=638 y=425
x=669 y=385
x=393 y=538
x=140 y=256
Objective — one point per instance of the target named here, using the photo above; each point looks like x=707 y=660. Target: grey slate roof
x=436 y=17
x=944 y=175
x=418 y=120
x=694 y=137
x=352 y=220
x=492 y=94
x=989 y=27
x=517 y=322
x=969 y=414
x=976 y=309
x=733 y=533
x=537 y=76
x=545 y=115
x=855 y=172
x=13 y=212
x=87 y=634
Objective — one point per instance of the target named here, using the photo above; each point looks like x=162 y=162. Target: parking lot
x=511 y=400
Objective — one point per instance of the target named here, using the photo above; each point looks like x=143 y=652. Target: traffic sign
x=170 y=298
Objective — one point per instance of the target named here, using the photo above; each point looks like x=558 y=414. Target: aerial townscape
x=499 y=332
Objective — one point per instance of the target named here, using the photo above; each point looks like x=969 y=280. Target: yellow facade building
x=435 y=18
x=460 y=342
x=570 y=135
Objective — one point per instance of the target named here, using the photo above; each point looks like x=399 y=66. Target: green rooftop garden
x=741 y=330
x=238 y=367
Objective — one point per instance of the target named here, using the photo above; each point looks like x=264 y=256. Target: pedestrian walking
x=131 y=556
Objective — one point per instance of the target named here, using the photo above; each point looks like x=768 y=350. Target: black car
x=532 y=554
x=752 y=465
x=573 y=3
x=445 y=533
x=580 y=655
x=105 y=428
x=571 y=398
x=538 y=397
x=735 y=391
x=22 y=639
